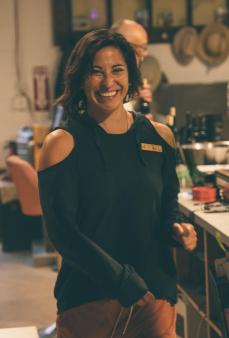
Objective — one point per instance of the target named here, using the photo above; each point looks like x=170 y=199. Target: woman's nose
x=108 y=80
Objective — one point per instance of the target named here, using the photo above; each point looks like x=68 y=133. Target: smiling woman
x=108 y=190
x=107 y=85
x=85 y=64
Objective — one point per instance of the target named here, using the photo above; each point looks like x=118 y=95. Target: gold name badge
x=151 y=147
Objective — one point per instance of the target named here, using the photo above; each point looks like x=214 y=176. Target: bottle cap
x=145 y=82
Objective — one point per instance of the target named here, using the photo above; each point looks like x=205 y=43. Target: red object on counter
x=204 y=194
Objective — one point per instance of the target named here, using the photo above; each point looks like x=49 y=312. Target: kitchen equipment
x=222 y=182
x=206 y=153
x=212 y=168
x=222 y=178
x=215 y=207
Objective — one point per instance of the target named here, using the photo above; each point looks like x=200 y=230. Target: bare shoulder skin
x=165 y=132
x=57 y=146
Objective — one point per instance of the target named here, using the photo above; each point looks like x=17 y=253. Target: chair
x=25 y=179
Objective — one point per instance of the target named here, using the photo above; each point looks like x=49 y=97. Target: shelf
x=186 y=296
x=162 y=19
x=196 y=292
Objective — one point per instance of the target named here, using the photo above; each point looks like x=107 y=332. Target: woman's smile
x=108 y=94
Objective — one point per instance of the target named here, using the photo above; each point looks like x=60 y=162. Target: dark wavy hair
x=80 y=63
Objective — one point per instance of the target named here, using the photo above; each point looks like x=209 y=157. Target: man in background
x=137 y=36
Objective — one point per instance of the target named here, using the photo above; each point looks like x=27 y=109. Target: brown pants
x=108 y=319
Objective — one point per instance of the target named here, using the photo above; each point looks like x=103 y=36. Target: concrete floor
x=26 y=292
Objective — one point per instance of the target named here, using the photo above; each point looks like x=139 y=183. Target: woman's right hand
x=148 y=296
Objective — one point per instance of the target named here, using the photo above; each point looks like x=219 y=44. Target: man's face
x=141 y=51
x=137 y=37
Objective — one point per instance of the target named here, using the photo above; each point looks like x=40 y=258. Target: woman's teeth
x=108 y=93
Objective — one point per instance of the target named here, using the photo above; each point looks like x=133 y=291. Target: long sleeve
x=56 y=184
x=170 y=208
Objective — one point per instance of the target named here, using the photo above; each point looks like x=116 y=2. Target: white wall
x=36 y=48
x=195 y=72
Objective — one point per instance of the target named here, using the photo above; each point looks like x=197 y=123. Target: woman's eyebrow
x=119 y=65
x=95 y=66
x=116 y=65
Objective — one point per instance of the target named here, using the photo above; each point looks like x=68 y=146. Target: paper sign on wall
x=41 y=88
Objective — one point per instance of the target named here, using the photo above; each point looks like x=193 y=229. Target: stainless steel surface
x=222 y=178
x=206 y=153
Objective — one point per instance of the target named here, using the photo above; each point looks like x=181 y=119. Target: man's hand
x=146 y=93
x=186 y=235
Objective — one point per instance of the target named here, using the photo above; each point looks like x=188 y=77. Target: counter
x=213 y=223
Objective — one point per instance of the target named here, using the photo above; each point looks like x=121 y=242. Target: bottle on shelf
x=185 y=133
x=188 y=128
x=203 y=137
x=195 y=129
x=171 y=121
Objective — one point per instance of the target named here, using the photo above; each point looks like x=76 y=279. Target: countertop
x=216 y=223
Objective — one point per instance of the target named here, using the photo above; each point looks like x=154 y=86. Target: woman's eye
x=118 y=70
x=96 y=72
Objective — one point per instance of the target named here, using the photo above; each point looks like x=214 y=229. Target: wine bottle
x=203 y=129
x=144 y=105
x=171 y=121
x=195 y=129
x=188 y=127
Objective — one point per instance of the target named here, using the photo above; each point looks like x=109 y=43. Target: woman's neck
x=117 y=122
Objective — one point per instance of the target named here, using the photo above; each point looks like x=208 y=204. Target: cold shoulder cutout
x=95 y=189
x=57 y=147
x=165 y=132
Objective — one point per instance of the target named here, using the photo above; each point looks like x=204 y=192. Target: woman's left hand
x=186 y=235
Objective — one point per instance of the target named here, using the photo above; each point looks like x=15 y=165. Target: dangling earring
x=129 y=95
x=81 y=107
x=127 y=98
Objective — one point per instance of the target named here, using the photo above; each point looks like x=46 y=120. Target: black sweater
x=109 y=207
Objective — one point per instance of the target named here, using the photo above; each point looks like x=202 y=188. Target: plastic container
x=204 y=194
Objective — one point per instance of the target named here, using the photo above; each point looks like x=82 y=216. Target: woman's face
x=107 y=83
